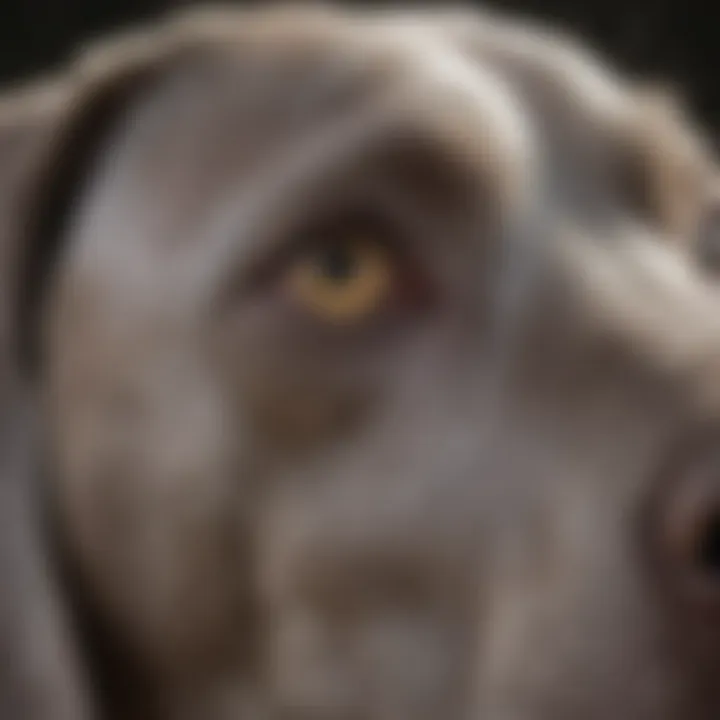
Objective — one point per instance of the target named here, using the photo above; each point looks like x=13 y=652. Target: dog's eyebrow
x=485 y=135
x=292 y=188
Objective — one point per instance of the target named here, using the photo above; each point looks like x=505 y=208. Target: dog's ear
x=673 y=178
x=39 y=673
x=50 y=134
x=656 y=157
x=686 y=177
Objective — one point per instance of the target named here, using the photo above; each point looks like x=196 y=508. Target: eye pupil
x=337 y=264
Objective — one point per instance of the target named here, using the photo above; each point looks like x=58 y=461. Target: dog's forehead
x=230 y=115
x=270 y=83
x=247 y=87
x=246 y=101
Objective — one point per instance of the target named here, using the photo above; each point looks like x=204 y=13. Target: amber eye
x=342 y=282
x=689 y=532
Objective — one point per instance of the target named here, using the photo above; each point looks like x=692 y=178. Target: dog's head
x=376 y=374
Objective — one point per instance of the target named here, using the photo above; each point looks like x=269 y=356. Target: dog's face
x=379 y=383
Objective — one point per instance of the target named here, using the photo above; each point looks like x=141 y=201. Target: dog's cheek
x=150 y=478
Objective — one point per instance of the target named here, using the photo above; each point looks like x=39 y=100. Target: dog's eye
x=342 y=282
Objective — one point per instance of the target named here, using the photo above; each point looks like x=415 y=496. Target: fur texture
x=448 y=512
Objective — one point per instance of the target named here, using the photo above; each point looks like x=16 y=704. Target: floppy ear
x=39 y=673
x=658 y=157
x=49 y=135
x=673 y=177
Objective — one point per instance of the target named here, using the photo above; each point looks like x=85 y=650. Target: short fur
x=442 y=514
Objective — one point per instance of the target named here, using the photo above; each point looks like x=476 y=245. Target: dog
x=356 y=365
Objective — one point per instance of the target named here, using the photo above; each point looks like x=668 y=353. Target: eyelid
x=301 y=236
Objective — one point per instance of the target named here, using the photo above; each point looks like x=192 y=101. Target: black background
x=675 y=40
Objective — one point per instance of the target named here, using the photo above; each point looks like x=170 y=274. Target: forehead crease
x=483 y=102
x=427 y=79
x=546 y=61
x=365 y=63
x=649 y=298
x=583 y=109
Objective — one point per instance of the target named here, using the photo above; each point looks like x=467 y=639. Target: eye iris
x=343 y=282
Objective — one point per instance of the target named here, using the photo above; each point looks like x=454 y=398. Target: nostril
x=687 y=529
x=708 y=547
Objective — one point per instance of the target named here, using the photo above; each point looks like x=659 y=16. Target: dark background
x=676 y=40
